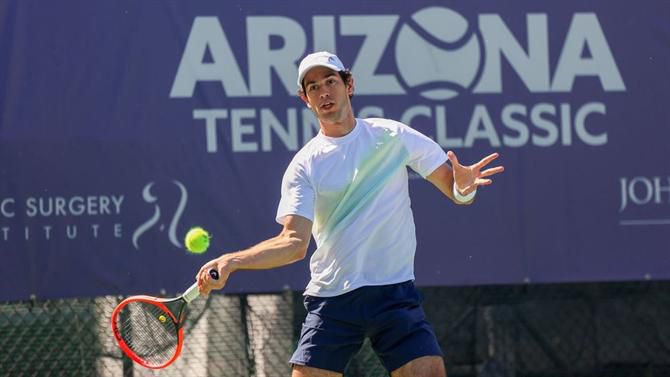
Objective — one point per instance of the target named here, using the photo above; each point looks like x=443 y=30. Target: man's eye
x=312 y=88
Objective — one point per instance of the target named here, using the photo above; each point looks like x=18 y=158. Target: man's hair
x=345 y=75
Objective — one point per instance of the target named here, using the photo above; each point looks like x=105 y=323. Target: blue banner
x=125 y=123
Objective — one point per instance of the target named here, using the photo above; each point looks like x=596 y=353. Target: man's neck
x=338 y=129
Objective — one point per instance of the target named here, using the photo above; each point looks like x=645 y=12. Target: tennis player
x=348 y=187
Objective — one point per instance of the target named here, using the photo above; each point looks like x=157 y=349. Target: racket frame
x=189 y=295
x=178 y=320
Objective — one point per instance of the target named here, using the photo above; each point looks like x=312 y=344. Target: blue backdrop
x=124 y=123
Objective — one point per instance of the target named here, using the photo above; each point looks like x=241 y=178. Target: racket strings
x=149 y=332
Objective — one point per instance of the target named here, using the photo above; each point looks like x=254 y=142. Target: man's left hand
x=468 y=178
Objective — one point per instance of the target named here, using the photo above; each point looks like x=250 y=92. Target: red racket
x=149 y=329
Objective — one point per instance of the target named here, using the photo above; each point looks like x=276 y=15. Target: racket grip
x=192 y=292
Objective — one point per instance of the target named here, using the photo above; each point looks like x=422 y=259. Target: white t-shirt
x=354 y=188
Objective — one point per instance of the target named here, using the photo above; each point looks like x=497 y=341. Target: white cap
x=318 y=59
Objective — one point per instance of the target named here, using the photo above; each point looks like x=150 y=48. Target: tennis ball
x=197 y=240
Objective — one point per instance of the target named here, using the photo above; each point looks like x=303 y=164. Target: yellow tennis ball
x=197 y=240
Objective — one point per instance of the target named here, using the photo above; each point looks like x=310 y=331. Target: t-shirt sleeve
x=425 y=155
x=297 y=194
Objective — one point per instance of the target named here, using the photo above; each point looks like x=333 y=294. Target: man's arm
x=443 y=179
x=289 y=246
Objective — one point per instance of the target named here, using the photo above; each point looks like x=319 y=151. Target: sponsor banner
x=123 y=124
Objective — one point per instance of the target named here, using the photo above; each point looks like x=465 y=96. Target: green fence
x=603 y=330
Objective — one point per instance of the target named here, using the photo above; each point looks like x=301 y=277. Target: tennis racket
x=149 y=329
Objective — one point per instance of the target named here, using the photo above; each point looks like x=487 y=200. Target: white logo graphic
x=155 y=218
x=437 y=46
x=435 y=54
x=644 y=191
x=58 y=216
x=438 y=54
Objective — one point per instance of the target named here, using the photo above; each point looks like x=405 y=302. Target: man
x=348 y=187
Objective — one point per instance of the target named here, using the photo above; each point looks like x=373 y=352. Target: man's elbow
x=299 y=245
x=300 y=248
x=301 y=252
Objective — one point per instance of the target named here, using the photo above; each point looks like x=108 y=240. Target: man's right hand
x=206 y=283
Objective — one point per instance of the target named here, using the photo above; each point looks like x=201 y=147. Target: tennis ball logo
x=437 y=53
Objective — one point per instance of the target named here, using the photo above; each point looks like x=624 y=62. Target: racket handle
x=192 y=292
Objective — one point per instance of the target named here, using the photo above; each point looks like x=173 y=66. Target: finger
x=489 y=172
x=206 y=286
x=486 y=160
x=203 y=276
x=198 y=277
x=483 y=182
x=201 y=281
x=452 y=157
x=209 y=283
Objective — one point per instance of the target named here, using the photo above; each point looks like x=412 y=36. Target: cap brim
x=310 y=67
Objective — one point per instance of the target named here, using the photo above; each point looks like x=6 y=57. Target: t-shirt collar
x=342 y=139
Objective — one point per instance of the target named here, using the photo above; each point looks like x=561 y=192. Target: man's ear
x=304 y=99
x=350 y=86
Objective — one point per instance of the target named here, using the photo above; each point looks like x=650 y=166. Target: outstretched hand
x=468 y=178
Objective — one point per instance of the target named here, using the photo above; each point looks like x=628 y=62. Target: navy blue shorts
x=390 y=315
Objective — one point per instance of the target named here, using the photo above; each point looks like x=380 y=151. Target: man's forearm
x=281 y=250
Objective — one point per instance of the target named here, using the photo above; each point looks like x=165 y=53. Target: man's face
x=326 y=94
